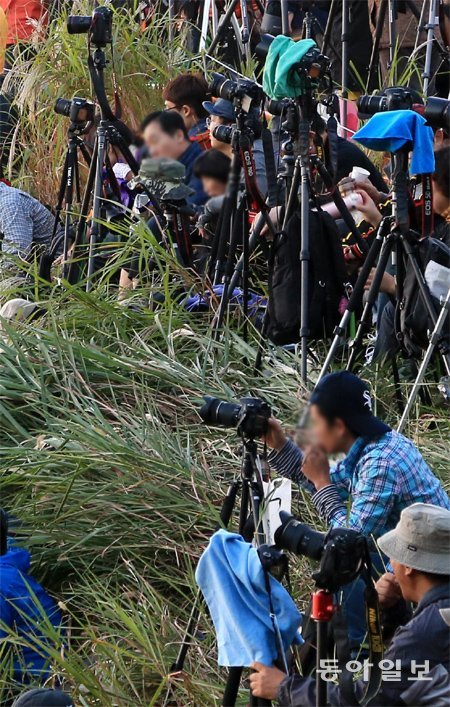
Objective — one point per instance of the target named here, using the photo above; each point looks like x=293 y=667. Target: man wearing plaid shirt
x=25 y=224
x=381 y=474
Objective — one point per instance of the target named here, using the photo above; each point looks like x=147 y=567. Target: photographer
x=185 y=95
x=222 y=112
x=27 y=227
x=26 y=611
x=381 y=474
x=387 y=343
x=213 y=168
x=165 y=135
x=418 y=551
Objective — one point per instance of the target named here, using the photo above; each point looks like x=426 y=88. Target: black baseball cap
x=344 y=395
x=44 y=698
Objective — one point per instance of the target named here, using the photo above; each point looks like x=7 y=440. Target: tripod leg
x=74 y=271
x=304 y=270
x=376 y=44
x=357 y=294
x=96 y=212
x=364 y=324
x=71 y=176
x=434 y=340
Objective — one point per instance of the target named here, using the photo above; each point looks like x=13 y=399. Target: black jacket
x=426 y=638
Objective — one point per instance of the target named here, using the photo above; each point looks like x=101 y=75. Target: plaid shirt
x=24 y=221
x=371 y=486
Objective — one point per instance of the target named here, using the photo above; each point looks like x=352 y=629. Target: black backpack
x=413 y=320
x=327 y=276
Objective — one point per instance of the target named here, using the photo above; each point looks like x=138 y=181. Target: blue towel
x=390 y=131
x=231 y=578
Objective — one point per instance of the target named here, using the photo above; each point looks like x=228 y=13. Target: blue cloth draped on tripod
x=392 y=130
x=231 y=578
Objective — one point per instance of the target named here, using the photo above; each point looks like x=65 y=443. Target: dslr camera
x=98 y=26
x=239 y=90
x=342 y=552
x=250 y=416
x=79 y=110
x=395 y=98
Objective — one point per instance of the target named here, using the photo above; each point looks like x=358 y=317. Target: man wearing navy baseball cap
x=382 y=472
x=221 y=112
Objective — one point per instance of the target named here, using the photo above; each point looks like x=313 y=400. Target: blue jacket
x=425 y=638
x=188 y=159
x=25 y=607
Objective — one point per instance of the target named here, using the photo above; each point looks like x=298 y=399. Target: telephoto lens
x=250 y=417
x=221 y=87
x=219 y=412
x=437 y=113
x=78 y=24
x=224 y=133
x=298 y=537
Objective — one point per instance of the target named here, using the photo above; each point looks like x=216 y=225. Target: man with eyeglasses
x=185 y=95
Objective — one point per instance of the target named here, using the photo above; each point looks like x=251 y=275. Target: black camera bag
x=327 y=276
x=414 y=320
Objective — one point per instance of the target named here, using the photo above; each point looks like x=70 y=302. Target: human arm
x=286 y=458
x=387 y=283
x=373 y=495
x=16 y=224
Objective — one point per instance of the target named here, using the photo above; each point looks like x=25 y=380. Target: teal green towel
x=279 y=81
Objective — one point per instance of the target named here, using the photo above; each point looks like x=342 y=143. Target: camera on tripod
x=313 y=65
x=79 y=110
x=250 y=416
x=396 y=98
x=436 y=111
x=341 y=551
x=239 y=90
x=98 y=25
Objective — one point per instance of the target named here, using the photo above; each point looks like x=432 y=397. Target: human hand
x=274 y=437
x=388 y=590
x=265 y=681
x=363 y=182
x=368 y=208
x=316 y=467
x=387 y=282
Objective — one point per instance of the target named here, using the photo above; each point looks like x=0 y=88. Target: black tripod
x=107 y=134
x=70 y=178
x=234 y=228
x=393 y=238
x=250 y=486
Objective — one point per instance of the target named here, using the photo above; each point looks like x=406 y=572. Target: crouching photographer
x=418 y=551
x=381 y=474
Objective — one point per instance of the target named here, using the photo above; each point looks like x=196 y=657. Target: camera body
x=341 y=552
x=395 y=98
x=98 y=26
x=79 y=110
x=250 y=416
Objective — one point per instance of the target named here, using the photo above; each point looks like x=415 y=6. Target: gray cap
x=42 y=697
x=17 y=309
x=421 y=539
x=164 y=178
x=445 y=613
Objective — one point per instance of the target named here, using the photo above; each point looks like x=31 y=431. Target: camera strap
x=273 y=617
x=269 y=160
x=375 y=640
x=331 y=147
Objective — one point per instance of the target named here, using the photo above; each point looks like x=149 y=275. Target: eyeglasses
x=212 y=120
x=166 y=110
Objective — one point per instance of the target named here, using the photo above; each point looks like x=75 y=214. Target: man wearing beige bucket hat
x=417 y=662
